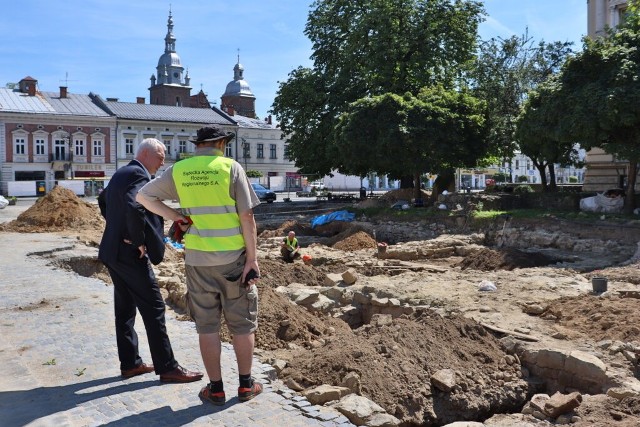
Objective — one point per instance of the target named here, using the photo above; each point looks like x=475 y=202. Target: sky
x=112 y=47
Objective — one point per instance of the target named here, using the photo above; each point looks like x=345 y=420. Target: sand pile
x=354 y=242
x=59 y=210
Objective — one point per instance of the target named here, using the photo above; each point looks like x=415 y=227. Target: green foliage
x=573 y=179
x=501 y=177
x=254 y=174
x=420 y=129
x=505 y=71
x=522 y=178
x=598 y=92
x=521 y=189
x=366 y=49
x=537 y=133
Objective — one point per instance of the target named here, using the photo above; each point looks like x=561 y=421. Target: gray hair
x=149 y=144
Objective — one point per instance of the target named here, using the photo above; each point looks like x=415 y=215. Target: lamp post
x=245 y=148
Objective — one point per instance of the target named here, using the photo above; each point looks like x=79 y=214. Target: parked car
x=264 y=194
x=317 y=185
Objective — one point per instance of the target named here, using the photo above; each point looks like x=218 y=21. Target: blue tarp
x=333 y=216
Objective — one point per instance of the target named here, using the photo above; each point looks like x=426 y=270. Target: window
x=20 y=146
x=128 y=146
x=228 y=151
x=97 y=147
x=517 y=164
x=182 y=146
x=246 y=150
x=167 y=147
x=287 y=153
x=260 y=151
x=272 y=151
x=40 y=146
x=59 y=149
x=79 y=147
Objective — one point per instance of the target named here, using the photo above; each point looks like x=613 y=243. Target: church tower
x=168 y=86
x=238 y=98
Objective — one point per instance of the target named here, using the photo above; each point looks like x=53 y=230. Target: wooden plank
x=508 y=332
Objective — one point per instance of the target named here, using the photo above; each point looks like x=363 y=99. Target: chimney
x=28 y=85
x=140 y=99
x=269 y=119
x=63 y=92
x=112 y=99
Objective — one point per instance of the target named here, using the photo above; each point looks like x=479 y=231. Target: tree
x=365 y=49
x=505 y=71
x=537 y=134
x=599 y=94
x=432 y=132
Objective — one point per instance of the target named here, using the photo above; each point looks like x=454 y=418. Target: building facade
x=49 y=138
x=604 y=13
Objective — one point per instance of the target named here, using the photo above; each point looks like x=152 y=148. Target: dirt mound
x=504 y=259
x=290 y=225
x=403 y=194
x=356 y=241
x=611 y=318
x=59 y=210
x=395 y=360
x=280 y=321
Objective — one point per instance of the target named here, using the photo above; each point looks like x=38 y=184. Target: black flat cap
x=212 y=133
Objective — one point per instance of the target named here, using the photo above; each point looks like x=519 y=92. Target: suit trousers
x=135 y=286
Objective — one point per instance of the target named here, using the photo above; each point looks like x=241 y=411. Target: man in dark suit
x=133 y=237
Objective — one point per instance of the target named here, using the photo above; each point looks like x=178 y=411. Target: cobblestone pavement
x=59 y=358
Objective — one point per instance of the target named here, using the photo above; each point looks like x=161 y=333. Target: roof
x=165 y=113
x=12 y=100
x=246 y=122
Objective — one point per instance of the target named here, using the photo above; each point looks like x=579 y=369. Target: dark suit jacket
x=127 y=219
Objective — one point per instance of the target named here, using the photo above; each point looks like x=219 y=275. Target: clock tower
x=168 y=87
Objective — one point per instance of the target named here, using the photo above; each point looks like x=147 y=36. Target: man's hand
x=143 y=251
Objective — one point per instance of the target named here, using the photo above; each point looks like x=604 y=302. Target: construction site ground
x=385 y=307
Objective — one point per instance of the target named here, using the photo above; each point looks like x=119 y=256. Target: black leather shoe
x=180 y=375
x=143 y=368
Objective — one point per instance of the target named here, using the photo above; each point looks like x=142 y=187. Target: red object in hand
x=177 y=230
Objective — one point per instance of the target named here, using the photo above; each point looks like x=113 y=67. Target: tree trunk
x=630 y=196
x=552 y=178
x=543 y=176
x=406 y=181
x=417 y=193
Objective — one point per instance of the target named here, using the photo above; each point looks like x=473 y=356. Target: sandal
x=248 y=393
x=217 y=399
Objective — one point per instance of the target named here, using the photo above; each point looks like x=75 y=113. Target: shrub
x=501 y=177
x=573 y=180
x=254 y=174
x=523 y=178
x=521 y=189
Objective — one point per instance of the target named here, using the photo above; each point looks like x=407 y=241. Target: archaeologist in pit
x=290 y=249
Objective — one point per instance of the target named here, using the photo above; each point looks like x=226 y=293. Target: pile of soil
x=611 y=318
x=356 y=241
x=407 y=194
x=395 y=360
x=504 y=259
x=59 y=210
x=286 y=227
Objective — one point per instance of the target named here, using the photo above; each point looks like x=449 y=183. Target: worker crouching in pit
x=290 y=249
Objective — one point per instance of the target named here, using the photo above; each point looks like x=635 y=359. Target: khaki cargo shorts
x=215 y=290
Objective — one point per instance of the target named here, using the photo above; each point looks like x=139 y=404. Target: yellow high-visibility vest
x=203 y=183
